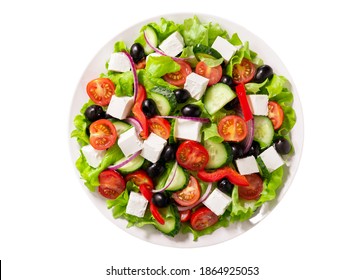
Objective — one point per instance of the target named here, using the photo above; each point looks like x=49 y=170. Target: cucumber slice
x=263 y=131
x=131 y=166
x=152 y=39
x=172 y=222
x=217 y=96
x=121 y=126
x=219 y=154
x=164 y=98
x=179 y=181
x=203 y=49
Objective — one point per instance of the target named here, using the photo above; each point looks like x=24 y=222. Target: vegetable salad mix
x=186 y=130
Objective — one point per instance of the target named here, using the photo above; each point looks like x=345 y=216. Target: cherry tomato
x=102 y=134
x=254 y=189
x=243 y=72
x=214 y=74
x=112 y=184
x=140 y=177
x=179 y=78
x=141 y=64
x=192 y=155
x=232 y=128
x=203 y=218
x=275 y=114
x=100 y=90
x=160 y=126
x=185 y=215
x=189 y=195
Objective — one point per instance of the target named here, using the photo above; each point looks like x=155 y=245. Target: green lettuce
x=158 y=66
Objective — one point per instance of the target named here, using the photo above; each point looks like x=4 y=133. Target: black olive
x=182 y=95
x=160 y=199
x=282 y=146
x=232 y=104
x=137 y=52
x=263 y=72
x=237 y=150
x=191 y=110
x=168 y=153
x=94 y=113
x=155 y=170
x=149 y=108
x=226 y=79
x=254 y=150
x=225 y=186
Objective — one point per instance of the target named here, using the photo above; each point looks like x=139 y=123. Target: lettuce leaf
x=158 y=66
x=164 y=28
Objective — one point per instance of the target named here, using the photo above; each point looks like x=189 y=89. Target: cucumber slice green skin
x=121 y=126
x=217 y=96
x=219 y=154
x=165 y=100
x=131 y=166
x=152 y=39
x=172 y=220
x=203 y=49
x=263 y=131
x=180 y=179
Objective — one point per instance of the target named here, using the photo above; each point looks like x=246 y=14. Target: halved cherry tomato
x=138 y=112
x=179 y=78
x=223 y=172
x=203 y=218
x=254 y=189
x=160 y=126
x=232 y=128
x=102 y=134
x=156 y=214
x=188 y=195
x=212 y=73
x=112 y=184
x=243 y=72
x=141 y=64
x=275 y=114
x=140 y=177
x=100 y=90
x=185 y=215
x=192 y=155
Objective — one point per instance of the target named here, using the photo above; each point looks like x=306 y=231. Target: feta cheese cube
x=247 y=165
x=224 y=47
x=119 y=107
x=119 y=62
x=173 y=45
x=189 y=130
x=271 y=159
x=93 y=156
x=217 y=202
x=129 y=142
x=196 y=85
x=153 y=147
x=137 y=205
x=258 y=104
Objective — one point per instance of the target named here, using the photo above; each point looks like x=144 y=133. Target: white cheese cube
x=258 y=104
x=247 y=165
x=173 y=45
x=224 y=47
x=93 y=156
x=271 y=159
x=119 y=107
x=137 y=205
x=153 y=147
x=119 y=62
x=217 y=202
x=196 y=85
x=129 y=142
x=188 y=130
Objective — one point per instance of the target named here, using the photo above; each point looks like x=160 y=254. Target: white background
x=49 y=229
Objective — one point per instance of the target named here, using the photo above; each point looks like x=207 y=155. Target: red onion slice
x=174 y=170
x=126 y=161
x=195 y=119
x=202 y=199
x=135 y=76
x=134 y=122
x=248 y=141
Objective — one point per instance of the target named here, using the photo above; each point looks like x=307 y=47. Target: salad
x=186 y=130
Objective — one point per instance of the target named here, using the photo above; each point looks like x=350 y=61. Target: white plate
x=150 y=234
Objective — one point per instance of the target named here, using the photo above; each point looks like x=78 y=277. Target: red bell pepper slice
x=244 y=104
x=147 y=193
x=224 y=172
x=156 y=214
x=138 y=112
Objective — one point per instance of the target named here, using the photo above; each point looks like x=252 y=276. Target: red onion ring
x=121 y=164
x=170 y=182
x=134 y=122
x=195 y=119
x=248 y=141
x=135 y=76
x=202 y=199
